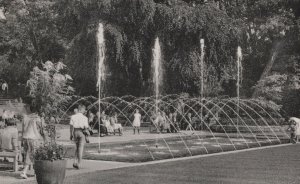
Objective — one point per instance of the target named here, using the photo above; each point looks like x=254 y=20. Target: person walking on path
x=78 y=124
x=30 y=139
x=137 y=121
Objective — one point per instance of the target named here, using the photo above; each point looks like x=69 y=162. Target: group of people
x=171 y=123
x=10 y=140
x=104 y=123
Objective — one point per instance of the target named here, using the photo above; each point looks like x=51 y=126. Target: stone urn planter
x=49 y=165
x=50 y=172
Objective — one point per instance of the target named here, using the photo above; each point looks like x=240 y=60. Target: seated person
x=91 y=118
x=174 y=123
x=99 y=125
x=106 y=123
x=116 y=126
x=166 y=123
x=9 y=137
x=5 y=115
x=159 y=122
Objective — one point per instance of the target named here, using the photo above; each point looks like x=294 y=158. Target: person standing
x=78 y=123
x=166 y=122
x=137 y=121
x=189 y=122
x=30 y=137
x=175 y=123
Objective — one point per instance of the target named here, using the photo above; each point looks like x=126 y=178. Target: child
x=137 y=121
x=292 y=129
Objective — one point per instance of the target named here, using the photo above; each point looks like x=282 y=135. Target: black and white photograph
x=149 y=91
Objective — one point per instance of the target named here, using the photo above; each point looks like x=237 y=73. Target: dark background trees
x=267 y=30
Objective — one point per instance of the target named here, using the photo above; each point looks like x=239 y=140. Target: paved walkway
x=87 y=167
x=92 y=166
x=268 y=165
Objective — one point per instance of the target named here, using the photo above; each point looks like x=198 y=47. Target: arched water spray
x=257 y=124
x=239 y=78
x=101 y=66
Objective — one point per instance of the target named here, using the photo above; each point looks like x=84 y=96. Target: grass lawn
x=158 y=149
x=267 y=166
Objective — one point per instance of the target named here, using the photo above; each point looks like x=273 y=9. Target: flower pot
x=50 y=172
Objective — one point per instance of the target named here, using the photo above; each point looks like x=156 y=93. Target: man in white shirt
x=78 y=123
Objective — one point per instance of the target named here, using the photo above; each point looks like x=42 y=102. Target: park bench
x=151 y=126
x=13 y=155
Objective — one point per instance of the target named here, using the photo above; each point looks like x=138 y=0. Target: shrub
x=50 y=89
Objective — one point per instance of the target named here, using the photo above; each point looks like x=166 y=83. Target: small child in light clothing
x=292 y=129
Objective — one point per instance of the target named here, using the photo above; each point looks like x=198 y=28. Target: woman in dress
x=137 y=121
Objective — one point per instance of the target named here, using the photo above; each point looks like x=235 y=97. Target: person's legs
x=29 y=150
x=80 y=138
x=293 y=139
x=134 y=130
x=138 y=129
x=76 y=154
x=172 y=128
x=120 y=131
x=80 y=151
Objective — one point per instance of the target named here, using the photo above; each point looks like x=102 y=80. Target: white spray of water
x=157 y=76
x=101 y=67
x=239 y=77
x=202 y=72
x=239 y=70
x=101 y=56
x=202 y=66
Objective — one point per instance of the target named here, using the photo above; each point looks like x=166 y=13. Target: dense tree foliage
x=267 y=30
x=50 y=89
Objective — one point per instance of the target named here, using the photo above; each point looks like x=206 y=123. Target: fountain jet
x=239 y=77
x=101 y=66
x=202 y=73
x=156 y=65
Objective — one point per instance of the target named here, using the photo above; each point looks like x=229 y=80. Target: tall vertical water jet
x=101 y=66
x=157 y=69
x=202 y=73
x=239 y=77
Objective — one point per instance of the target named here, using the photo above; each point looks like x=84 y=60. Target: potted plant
x=49 y=165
